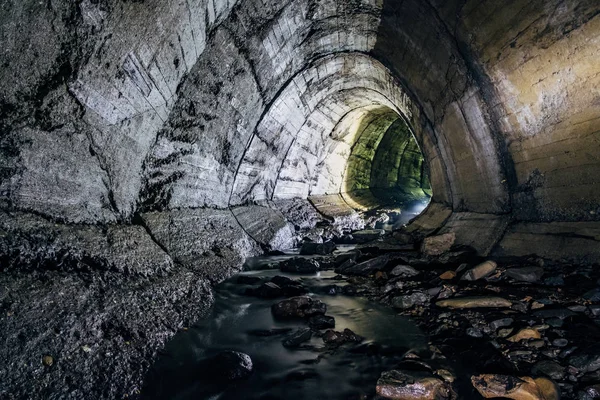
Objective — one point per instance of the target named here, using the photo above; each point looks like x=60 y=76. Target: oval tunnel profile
x=386 y=166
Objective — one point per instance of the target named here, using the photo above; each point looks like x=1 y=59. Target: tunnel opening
x=386 y=168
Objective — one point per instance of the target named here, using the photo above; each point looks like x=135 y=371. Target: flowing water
x=311 y=372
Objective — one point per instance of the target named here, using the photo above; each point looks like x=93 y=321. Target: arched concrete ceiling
x=152 y=105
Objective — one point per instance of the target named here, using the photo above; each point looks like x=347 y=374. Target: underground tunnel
x=259 y=199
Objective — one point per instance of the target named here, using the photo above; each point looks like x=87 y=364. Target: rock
x=589 y=393
x=586 y=360
x=247 y=280
x=309 y=248
x=474 y=302
x=560 y=313
x=400 y=385
x=560 y=342
x=299 y=265
x=371 y=266
x=525 y=274
x=367 y=235
x=438 y=245
x=480 y=271
x=592 y=295
x=296 y=338
x=267 y=290
x=228 y=366
x=551 y=369
x=510 y=387
x=448 y=275
x=321 y=322
x=334 y=338
x=404 y=271
x=501 y=323
x=298 y=307
x=411 y=300
x=47 y=360
x=474 y=332
x=524 y=334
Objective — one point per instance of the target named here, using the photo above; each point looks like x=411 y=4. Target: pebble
x=47 y=360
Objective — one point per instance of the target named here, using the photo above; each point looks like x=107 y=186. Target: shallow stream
x=310 y=372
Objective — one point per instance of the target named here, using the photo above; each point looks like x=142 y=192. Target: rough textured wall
x=152 y=121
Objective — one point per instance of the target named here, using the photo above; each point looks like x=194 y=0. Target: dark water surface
x=314 y=372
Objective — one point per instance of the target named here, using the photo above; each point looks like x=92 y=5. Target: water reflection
x=312 y=372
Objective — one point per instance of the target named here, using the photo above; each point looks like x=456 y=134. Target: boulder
x=310 y=248
x=335 y=339
x=267 y=290
x=298 y=307
x=299 y=265
x=318 y=322
x=510 y=387
x=437 y=245
x=228 y=366
x=480 y=271
x=399 y=385
x=475 y=302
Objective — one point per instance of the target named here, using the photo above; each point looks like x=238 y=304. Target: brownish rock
x=398 y=385
x=516 y=388
x=524 y=334
x=448 y=275
x=298 y=307
x=438 y=245
x=475 y=302
x=480 y=271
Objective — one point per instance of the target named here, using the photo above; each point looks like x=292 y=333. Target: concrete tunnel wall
x=137 y=136
x=121 y=108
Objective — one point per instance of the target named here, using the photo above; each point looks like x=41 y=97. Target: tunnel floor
x=380 y=320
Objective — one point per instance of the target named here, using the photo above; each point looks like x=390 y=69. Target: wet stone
x=298 y=307
x=413 y=385
x=228 y=366
x=310 y=248
x=299 y=265
x=295 y=339
x=267 y=290
x=334 y=338
x=517 y=388
x=321 y=322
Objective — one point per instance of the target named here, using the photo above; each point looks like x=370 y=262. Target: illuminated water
x=281 y=373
